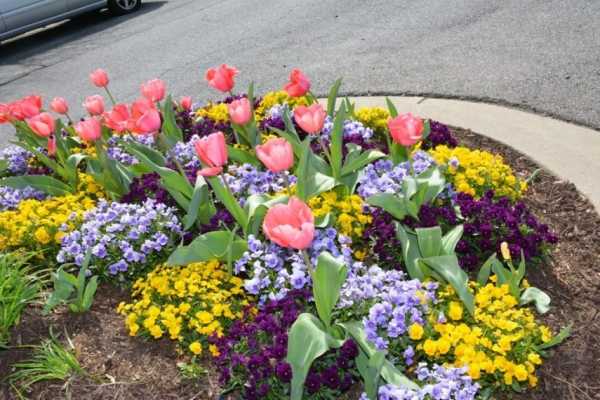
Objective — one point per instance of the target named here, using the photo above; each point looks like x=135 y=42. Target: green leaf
x=337 y=142
x=537 y=296
x=450 y=239
x=256 y=208
x=410 y=252
x=328 y=278
x=154 y=156
x=391 y=108
x=200 y=206
x=310 y=181
x=484 y=272
x=3 y=165
x=323 y=221
x=447 y=267
x=229 y=201
x=430 y=241
x=433 y=182
x=243 y=156
x=331 y=99
x=389 y=372
x=307 y=341
x=44 y=183
x=558 y=339
x=391 y=203
x=426 y=129
x=90 y=291
x=170 y=129
x=209 y=246
x=361 y=161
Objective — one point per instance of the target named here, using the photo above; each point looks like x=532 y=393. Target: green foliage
x=76 y=291
x=19 y=286
x=50 y=361
x=44 y=183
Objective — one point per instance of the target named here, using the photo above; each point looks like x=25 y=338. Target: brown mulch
x=122 y=367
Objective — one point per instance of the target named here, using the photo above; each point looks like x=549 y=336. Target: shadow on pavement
x=23 y=46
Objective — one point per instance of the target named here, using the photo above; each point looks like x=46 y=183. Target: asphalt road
x=543 y=55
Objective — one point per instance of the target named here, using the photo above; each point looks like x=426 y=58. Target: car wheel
x=121 y=7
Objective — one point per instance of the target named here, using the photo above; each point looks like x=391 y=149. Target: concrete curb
x=569 y=151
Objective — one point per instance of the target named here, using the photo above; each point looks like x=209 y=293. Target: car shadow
x=43 y=39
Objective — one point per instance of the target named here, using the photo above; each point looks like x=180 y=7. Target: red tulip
x=4 y=113
x=290 y=225
x=406 y=129
x=59 y=105
x=145 y=118
x=186 y=102
x=89 y=129
x=221 y=78
x=117 y=118
x=239 y=111
x=310 y=119
x=212 y=151
x=99 y=78
x=94 y=104
x=42 y=124
x=298 y=85
x=277 y=154
x=51 y=145
x=153 y=90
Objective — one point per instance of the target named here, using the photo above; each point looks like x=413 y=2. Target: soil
x=121 y=367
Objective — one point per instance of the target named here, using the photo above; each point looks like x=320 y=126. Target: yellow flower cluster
x=373 y=117
x=477 y=171
x=35 y=224
x=271 y=99
x=498 y=345
x=187 y=304
x=347 y=212
x=216 y=112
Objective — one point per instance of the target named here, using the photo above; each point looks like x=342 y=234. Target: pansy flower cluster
x=476 y=171
x=124 y=239
x=187 y=304
x=17 y=159
x=251 y=356
x=245 y=180
x=11 y=197
x=439 y=383
x=385 y=177
x=272 y=271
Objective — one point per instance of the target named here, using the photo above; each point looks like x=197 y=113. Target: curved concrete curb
x=569 y=151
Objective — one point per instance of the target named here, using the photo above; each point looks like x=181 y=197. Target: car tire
x=122 y=7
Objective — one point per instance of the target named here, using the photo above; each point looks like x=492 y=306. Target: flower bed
x=297 y=249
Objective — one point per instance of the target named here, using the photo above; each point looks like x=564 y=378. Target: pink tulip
x=406 y=129
x=42 y=124
x=277 y=154
x=117 y=118
x=51 y=145
x=298 y=85
x=145 y=118
x=94 y=104
x=310 y=119
x=4 y=113
x=153 y=90
x=186 y=102
x=239 y=111
x=99 y=78
x=221 y=78
x=89 y=129
x=30 y=106
x=59 y=105
x=290 y=225
x=212 y=151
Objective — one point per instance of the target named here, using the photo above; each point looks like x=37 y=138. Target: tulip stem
x=110 y=96
x=69 y=118
x=226 y=184
x=325 y=151
x=307 y=262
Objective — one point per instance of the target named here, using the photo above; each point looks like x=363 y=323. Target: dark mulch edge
x=130 y=368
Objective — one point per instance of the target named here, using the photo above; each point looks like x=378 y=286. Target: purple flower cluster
x=440 y=383
x=385 y=177
x=17 y=159
x=272 y=271
x=352 y=129
x=222 y=219
x=185 y=154
x=440 y=134
x=245 y=180
x=148 y=186
x=11 y=197
x=188 y=125
x=124 y=239
x=367 y=284
x=405 y=303
x=487 y=223
x=252 y=355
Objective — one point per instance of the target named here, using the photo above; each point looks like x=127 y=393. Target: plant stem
x=110 y=96
x=307 y=262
